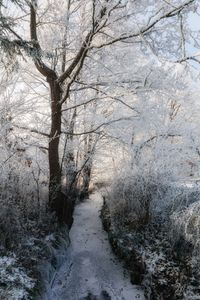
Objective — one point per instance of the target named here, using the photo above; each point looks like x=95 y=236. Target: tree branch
x=95 y=130
x=153 y=138
x=32 y=130
x=42 y=68
x=193 y=57
x=82 y=53
x=84 y=103
x=175 y=11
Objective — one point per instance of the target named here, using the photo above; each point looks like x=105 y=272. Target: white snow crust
x=91 y=267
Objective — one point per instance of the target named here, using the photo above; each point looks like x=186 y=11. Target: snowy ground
x=91 y=267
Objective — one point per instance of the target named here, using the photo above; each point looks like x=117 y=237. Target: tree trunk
x=87 y=170
x=86 y=180
x=55 y=201
x=59 y=202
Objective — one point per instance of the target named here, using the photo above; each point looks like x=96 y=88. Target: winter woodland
x=100 y=96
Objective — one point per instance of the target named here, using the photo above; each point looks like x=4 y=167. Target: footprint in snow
x=103 y=296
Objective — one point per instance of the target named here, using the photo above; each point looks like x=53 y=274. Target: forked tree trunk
x=55 y=195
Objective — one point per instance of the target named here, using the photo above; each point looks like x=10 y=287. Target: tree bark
x=87 y=170
x=86 y=180
x=54 y=138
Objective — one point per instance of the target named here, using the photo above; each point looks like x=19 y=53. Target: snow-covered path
x=91 y=267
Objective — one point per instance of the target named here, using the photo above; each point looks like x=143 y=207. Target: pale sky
x=194 y=21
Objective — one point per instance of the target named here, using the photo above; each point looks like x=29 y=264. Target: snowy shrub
x=11 y=230
x=23 y=207
x=137 y=197
x=186 y=226
x=174 y=197
x=185 y=239
x=132 y=195
x=14 y=282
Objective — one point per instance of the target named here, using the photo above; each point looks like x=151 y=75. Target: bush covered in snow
x=185 y=226
x=143 y=196
x=134 y=196
x=157 y=215
x=131 y=197
x=25 y=225
x=15 y=284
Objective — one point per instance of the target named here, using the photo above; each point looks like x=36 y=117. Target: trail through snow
x=92 y=271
